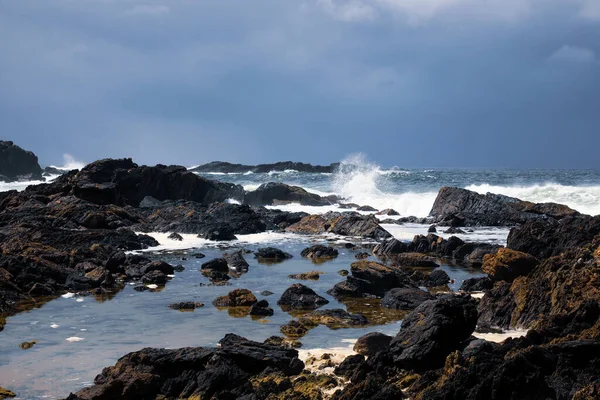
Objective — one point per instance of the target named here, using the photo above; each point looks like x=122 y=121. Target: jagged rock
x=473 y=209
x=439 y=277
x=405 y=298
x=414 y=260
x=299 y=296
x=345 y=224
x=236 y=298
x=432 y=331
x=155 y=277
x=198 y=372
x=349 y=365
x=271 y=254
x=390 y=247
x=507 y=265
x=432 y=229
x=361 y=256
x=319 y=251
x=388 y=211
x=217 y=232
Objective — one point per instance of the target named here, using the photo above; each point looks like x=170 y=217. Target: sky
x=411 y=83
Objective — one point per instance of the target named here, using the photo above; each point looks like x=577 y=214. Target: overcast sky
x=412 y=83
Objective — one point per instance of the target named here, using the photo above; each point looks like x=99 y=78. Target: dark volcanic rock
x=275 y=193
x=121 y=182
x=14 y=161
x=319 y=251
x=216 y=264
x=390 y=247
x=221 y=166
x=175 y=236
x=219 y=373
x=349 y=365
x=236 y=261
x=405 y=298
x=335 y=318
x=367 y=208
x=345 y=224
x=388 y=211
x=186 y=306
x=299 y=296
x=271 y=254
x=473 y=209
x=433 y=330
x=439 y=277
x=543 y=239
x=414 y=260
x=261 y=309
x=372 y=343
x=217 y=232
x=477 y=284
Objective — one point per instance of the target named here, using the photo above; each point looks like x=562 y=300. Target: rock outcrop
x=462 y=207
x=276 y=193
x=18 y=164
x=225 y=167
x=345 y=224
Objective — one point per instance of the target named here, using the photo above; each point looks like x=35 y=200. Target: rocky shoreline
x=77 y=232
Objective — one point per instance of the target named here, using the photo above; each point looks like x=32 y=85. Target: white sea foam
x=500 y=337
x=68 y=295
x=69 y=163
x=74 y=339
x=585 y=199
x=480 y=234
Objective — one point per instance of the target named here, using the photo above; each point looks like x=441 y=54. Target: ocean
x=106 y=328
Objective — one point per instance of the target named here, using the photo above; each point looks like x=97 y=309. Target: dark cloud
x=436 y=83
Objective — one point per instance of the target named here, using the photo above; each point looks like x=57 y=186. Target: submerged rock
x=312 y=275
x=186 y=306
x=27 y=345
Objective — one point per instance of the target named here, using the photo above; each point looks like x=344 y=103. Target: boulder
x=388 y=211
x=367 y=209
x=507 y=265
x=476 y=284
x=319 y=251
x=271 y=254
x=405 y=298
x=432 y=331
x=236 y=298
x=175 y=236
x=312 y=275
x=299 y=296
x=372 y=343
x=261 y=309
x=349 y=365
x=216 y=264
x=414 y=260
x=236 y=262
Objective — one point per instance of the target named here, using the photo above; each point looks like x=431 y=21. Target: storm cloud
x=412 y=83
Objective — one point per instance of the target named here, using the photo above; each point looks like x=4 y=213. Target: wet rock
x=175 y=236
x=438 y=277
x=432 y=229
x=236 y=298
x=27 y=345
x=236 y=261
x=160 y=266
x=261 y=308
x=39 y=289
x=179 y=268
x=345 y=224
x=405 y=298
x=198 y=255
x=226 y=167
x=216 y=264
x=372 y=343
x=319 y=251
x=312 y=275
x=294 y=329
x=349 y=365
x=388 y=211
x=334 y=319
x=343 y=272
x=186 y=306
x=362 y=255
x=274 y=193
x=271 y=254
x=283 y=342
x=299 y=296
x=390 y=247
x=475 y=209
x=218 y=232
x=5 y=393
x=198 y=372
x=433 y=330
x=215 y=276
x=507 y=265
x=367 y=208
x=266 y=293
x=476 y=284
x=155 y=277
x=414 y=260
